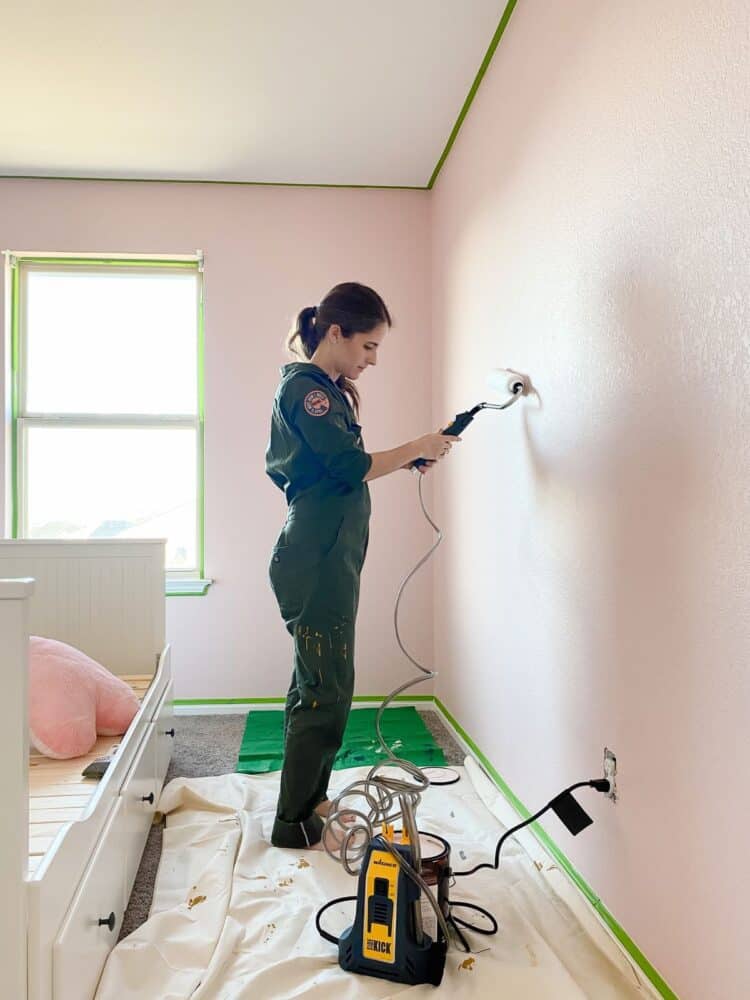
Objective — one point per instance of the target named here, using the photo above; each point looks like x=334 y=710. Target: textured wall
x=269 y=251
x=591 y=227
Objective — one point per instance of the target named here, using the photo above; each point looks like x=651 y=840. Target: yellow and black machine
x=388 y=938
x=404 y=915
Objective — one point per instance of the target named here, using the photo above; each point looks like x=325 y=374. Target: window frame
x=18 y=265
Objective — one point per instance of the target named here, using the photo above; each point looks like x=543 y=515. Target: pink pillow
x=72 y=698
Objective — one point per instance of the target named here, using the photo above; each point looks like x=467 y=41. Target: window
x=107 y=412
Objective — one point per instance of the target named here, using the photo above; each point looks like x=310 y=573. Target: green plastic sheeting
x=403 y=730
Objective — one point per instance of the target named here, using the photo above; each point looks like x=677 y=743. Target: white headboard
x=104 y=596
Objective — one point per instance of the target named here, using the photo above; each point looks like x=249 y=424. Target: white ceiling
x=280 y=91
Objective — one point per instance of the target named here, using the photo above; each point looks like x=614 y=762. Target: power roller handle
x=460 y=421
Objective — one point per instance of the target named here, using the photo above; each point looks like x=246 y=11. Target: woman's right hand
x=433 y=447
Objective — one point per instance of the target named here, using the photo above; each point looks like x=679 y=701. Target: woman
x=316 y=456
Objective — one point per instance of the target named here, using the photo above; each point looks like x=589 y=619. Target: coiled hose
x=388 y=798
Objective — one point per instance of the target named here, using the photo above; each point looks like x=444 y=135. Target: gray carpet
x=206 y=745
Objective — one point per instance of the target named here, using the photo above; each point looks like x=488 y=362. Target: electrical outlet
x=610 y=773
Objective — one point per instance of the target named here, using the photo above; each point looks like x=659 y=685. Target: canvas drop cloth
x=233 y=918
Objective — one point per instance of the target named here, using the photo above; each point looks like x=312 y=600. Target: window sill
x=187 y=588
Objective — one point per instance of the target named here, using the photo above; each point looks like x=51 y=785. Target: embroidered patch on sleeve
x=317 y=404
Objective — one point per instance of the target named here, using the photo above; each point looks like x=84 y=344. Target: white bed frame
x=106 y=597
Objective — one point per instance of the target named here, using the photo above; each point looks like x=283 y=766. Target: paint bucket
x=436 y=871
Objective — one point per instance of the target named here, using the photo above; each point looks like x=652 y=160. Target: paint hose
x=388 y=797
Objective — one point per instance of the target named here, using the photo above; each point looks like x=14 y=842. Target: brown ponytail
x=354 y=308
x=303 y=338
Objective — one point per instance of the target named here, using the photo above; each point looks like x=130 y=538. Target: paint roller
x=503 y=381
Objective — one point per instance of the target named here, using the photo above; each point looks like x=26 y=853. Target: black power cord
x=453 y=921
x=566 y=808
x=456 y=923
x=322 y=910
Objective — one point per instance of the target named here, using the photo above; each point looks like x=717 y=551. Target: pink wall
x=591 y=228
x=269 y=251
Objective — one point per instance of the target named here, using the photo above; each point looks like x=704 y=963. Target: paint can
x=436 y=871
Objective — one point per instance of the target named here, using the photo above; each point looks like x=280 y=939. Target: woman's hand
x=430 y=448
x=411 y=467
x=433 y=447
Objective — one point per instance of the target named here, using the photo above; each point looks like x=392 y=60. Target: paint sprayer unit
x=404 y=915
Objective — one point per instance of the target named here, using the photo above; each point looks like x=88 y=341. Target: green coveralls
x=316 y=456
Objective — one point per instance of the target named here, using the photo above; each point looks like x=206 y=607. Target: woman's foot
x=332 y=836
x=345 y=818
x=330 y=839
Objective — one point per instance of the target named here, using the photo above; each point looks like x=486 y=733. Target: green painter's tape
x=474 y=88
x=399 y=697
x=168 y=180
x=281 y=701
x=229 y=701
x=15 y=304
x=186 y=265
x=554 y=851
x=201 y=438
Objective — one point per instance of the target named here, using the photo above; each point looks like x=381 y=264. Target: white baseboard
x=242 y=708
x=208 y=709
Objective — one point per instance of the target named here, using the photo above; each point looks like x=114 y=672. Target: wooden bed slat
x=56 y=802
x=40 y=845
x=41 y=816
x=73 y=786
x=45 y=829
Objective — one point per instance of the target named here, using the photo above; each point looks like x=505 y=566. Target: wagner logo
x=382 y=863
x=317 y=404
x=384 y=947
